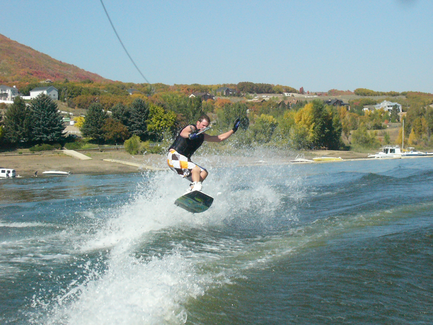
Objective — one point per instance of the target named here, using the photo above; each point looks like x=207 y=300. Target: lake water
x=333 y=243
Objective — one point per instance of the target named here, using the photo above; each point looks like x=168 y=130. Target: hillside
x=20 y=63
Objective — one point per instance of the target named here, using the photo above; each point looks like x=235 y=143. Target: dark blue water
x=331 y=243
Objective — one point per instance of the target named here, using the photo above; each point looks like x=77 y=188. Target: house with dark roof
x=288 y=102
x=204 y=96
x=335 y=102
x=226 y=91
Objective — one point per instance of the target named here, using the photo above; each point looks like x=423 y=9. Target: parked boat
x=7 y=172
x=56 y=173
x=301 y=160
x=412 y=152
x=388 y=152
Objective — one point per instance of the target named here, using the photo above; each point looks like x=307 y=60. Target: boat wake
x=142 y=261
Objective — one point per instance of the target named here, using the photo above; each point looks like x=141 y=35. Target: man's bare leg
x=198 y=176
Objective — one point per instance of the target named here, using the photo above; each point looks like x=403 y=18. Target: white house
x=8 y=93
x=51 y=91
x=388 y=106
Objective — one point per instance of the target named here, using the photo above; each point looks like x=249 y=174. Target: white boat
x=7 y=172
x=413 y=153
x=56 y=173
x=388 y=152
x=301 y=160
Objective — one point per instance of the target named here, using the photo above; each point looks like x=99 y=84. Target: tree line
x=158 y=116
x=83 y=94
x=315 y=125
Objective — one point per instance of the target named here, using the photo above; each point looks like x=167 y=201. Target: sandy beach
x=107 y=162
x=119 y=161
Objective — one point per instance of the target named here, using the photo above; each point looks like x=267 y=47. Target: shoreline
x=119 y=161
x=106 y=162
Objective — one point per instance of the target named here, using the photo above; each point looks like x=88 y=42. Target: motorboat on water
x=7 y=172
x=388 y=152
x=412 y=152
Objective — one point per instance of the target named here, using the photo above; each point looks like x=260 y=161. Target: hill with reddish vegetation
x=22 y=64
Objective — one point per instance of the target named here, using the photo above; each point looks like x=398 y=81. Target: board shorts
x=181 y=165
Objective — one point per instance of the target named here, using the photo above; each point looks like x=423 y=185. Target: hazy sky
x=381 y=45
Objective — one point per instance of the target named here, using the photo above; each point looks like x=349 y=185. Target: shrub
x=45 y=147
x=133 y=145
x=149 y=147
x=362 y=138
x=74 y=145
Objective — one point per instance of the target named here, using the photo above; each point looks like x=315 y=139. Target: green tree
x=285 y=124
x=229 y=113
x=386 y=138
x=246 y=87
x=366 y=92
x=122 y=113
x=263 y=128
x=374 y=119
x=187 y=109
x=322 y=123
x=193 y=109
x=312 y=117
x=17 y=122
x=415 y=112
x=139 y=117
x=362 y=138
x=419 y=131
x=332 y=130
x=47 y=123
x=394 y=115
x=299 y=137
x=94 y=122
x=133 y=145
x=159 y=122
x=429 y=121
x=116 y=89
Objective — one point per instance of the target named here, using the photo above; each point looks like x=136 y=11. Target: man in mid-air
x=189 y=139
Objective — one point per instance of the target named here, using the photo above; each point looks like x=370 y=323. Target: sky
x=382 y=45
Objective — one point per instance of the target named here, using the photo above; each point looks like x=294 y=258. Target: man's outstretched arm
x=223 y=136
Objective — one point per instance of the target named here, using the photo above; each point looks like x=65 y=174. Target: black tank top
x=186 y=146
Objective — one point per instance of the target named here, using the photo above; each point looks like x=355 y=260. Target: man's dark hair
x=204 y=117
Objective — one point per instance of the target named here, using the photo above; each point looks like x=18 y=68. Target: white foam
x=150 y=209
x=5 y=224
x=134 y=292
x=125 y=289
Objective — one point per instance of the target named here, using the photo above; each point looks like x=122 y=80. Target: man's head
x=203 y=122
